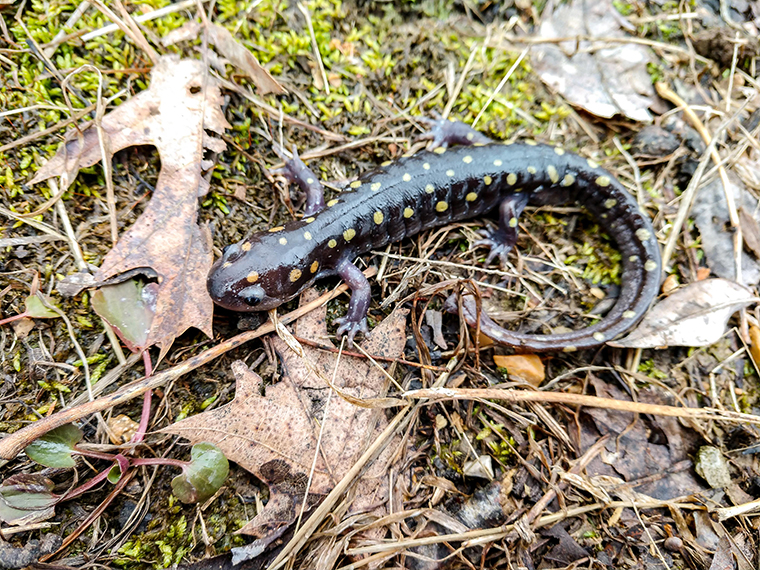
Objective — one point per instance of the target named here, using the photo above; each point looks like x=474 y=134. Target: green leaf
x=129 y=308
x=54 y=448
x=203 y=476
x=26 y=499
x=114 y=474
x=35 y=308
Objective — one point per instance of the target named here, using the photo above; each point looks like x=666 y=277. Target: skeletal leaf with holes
x=275 y=435
x=179 y=114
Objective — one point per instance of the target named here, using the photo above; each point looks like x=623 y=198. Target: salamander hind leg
x=502 y=240
x=296 y=171
x=356 y=318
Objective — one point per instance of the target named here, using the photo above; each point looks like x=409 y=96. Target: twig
x=140 y=18
x=11 y=445
x=315 y=46
x=128 y=28
x=58 y=126
x=504 y=79
x=514 y=396
x=458 y=88
x=688 y=196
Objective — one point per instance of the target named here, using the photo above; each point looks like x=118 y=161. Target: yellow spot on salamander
x=531 y=170
x=633 y=258
x=629 y=314
x=375 y=186
x=531 y=143
x=553 y=174
x=310 y=181
x=497 y=162
x=568 y=180
x=512 y=222
x=449 y=172
x=283 y=241
x=355 y=184
x=332 y=243
x=487 y=180
x=471 y=197
x=307 y=235
x=295 y=275
x=598 y=337
x=603 y=181
x=277 y=229
x=570 y=349
x=559 y=151
x=349 y=234
x=441 y=206
x=331 y=203
x=467 y=159
x=650 y=265
x=309 y=220
x=429 y=188
x=386 y=163
x=591 y=163
x=611 y=203
x=426 y=166
x=252 y=277
x=408 y=212
x=246 y=246
x=226 y=264
x=469 y=137
x=378 y=217
x=643 y=234
x=439 y=150
x=314 y=267
x=406 y=177
x=511 y=178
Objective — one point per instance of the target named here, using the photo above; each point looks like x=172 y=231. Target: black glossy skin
x=437 y=188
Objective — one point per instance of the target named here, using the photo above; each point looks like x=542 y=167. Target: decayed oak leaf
x=274 y=436
x=176 y=114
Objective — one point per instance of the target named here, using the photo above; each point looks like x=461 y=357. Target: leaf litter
x=176 y=113
x=298 y=436
x=642 y=434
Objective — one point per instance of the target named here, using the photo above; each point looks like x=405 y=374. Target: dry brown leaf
x=176 y=114
x=754 y=346
x=242 y=58
x=695 y=315
x=528 y=367
x=604 y=82
x=274 y=436
x=750 y=231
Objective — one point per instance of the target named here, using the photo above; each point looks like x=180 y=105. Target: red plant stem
x=159 y=461
x=145 y=416
x=86 y=486
x=13 y=318
x=126 y=478
x=133 y=461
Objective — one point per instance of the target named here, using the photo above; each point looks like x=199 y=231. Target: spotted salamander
x=431 y=189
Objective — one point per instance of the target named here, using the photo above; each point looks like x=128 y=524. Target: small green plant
x=30 y=497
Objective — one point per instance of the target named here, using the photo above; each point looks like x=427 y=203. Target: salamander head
x=257 y=274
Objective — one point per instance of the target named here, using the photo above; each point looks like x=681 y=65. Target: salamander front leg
x=502 y=240
x=356 y=318
x=444 y=132
x=296 y=171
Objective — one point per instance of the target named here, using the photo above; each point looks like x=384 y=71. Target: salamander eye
x=252 y=295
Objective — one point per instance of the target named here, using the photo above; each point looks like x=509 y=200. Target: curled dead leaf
x=528 y=367
x=695 y=315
